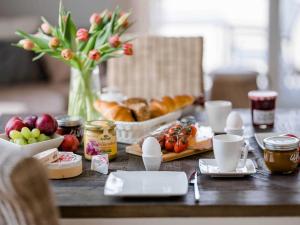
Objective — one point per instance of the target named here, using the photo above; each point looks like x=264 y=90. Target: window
x=234 y=31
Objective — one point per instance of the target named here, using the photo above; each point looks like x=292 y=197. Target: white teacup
x=228 y=149
x=217 y=112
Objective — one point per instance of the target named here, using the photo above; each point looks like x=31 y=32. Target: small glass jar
x=100 y=137
x=281 y=154
x=70 y=125
x=263 y=108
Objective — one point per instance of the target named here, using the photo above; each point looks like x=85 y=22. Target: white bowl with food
x=31 y=149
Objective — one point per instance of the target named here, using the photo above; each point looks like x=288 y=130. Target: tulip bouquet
x=82 y=50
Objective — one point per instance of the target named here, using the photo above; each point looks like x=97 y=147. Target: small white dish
x=146 y=184
x=259 y=137
x=31 y=149
x=209 y=167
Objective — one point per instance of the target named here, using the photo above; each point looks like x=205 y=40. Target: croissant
x=157 y=108
x=113 y=111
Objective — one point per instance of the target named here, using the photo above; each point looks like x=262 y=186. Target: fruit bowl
x=31 y=149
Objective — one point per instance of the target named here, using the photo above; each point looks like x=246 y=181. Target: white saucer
x=209 y=167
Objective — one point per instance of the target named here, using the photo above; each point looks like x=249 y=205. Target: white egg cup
x=152 y=163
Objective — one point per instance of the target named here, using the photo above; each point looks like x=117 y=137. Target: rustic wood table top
x=260 y=194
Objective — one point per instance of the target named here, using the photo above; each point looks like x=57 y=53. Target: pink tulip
x=82 y=34
x=114 y=41
x=27 y=44
x=128 y=49
x=95 y=18
x=46 y=28
x=67 y=54
x=54 y=42
x=94 y=55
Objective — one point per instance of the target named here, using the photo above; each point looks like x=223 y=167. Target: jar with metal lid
x=281 y=154
x=100 y=137
x=70 y=125
x=263 y=105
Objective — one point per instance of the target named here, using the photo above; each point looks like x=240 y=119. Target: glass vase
x=84 y=90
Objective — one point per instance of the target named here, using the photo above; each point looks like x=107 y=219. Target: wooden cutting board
x=196 y=147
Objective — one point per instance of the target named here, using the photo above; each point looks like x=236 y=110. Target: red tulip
x=82 y=34
x=95 y=18
x=128 y=49
x=94 y=55
x=123 y=20
x=54 y=42
x=46 y=28
x=27 y=44
x=67 y=54
x=114 y=41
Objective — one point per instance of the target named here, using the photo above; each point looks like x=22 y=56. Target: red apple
x=46 y=124
x=29 y=121
x=70 y=143
x=14 y=123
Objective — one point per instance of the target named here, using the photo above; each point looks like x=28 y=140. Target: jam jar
x=262 y=108
x=70 y=125
x=281 y=154
x=100 y=137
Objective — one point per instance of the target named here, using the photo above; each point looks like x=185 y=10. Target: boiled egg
x=151 y=147
x=234 y=121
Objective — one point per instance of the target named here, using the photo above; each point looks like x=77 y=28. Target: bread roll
x=169 y=103
x=130 y=101
x=183 y=100
x=157 y=108
x=139 y=108
x=113 y=111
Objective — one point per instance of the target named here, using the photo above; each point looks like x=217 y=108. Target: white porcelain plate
x=146 y=184
x=259 y=137
x=209 y=167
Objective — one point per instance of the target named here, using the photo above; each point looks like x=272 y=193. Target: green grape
x=43 y=137
x=32 y=140
x=35 y=133
x=26 y=132
x=20 y=141
x=14 y=134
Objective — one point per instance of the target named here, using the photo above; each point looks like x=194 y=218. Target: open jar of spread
x=281 y=154
x=70 y=125
x=262 y=108
x=100 y=137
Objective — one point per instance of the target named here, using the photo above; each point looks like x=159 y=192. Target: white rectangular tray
x=146 y=184
x=131 y=132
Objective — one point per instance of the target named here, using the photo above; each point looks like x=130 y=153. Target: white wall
x=81 y=9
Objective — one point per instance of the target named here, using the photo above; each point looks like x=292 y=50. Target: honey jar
x=281 y=154
x=99 y=138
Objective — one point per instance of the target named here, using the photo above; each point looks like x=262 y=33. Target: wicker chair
x=25 y=197
x=160 y=66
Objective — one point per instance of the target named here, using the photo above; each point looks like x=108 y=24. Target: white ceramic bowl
x=31 y=149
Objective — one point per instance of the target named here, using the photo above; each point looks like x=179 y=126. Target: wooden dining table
x=258 y=195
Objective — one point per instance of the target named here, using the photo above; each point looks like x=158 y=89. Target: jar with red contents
x=70 y=125
x=263 y=108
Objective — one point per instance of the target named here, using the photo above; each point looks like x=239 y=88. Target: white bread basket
x=131 y=132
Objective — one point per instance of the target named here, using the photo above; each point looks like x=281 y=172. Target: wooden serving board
x=196 y=147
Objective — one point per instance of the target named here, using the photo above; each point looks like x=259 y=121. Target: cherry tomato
x=169 y=144
x=193 y=131
x=180 y=145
